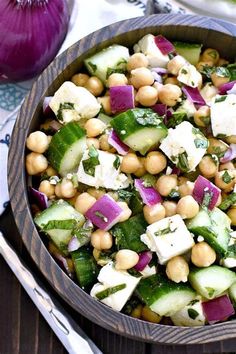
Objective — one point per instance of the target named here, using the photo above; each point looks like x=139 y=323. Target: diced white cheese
x=191 y=315
x=189 y=75
x=184 y=139
x=229 y=262
x=148 y=271
x=106 y=175
x=147 y=46
x=208 y=92
x=223 y=115
x=187 y=107
x=168 y=237
x=84 y=104
x=110 y=277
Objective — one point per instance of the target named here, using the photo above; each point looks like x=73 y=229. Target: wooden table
x=24 y=331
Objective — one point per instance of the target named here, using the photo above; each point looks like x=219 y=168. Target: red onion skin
x=218 y=309
x=144 y=259
x=31 y=35
x=230 y=154
x=164 y=45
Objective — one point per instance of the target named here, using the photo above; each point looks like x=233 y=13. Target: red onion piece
x=63 y=263
x=202 y=187
x=160 y=108
x=193 y=94
x=121 y=98
x=144 y=259
x=46 y=108
x=55 y=125
x=73 y=244
x=164 y=45
x=230 y=154
x=176 y=171
x=223 y=89
x=39 y=198
x=115 y=141
x=104 y=213
x=157 y=77
x=149 y=195
x=218 y=309
x=31 y=34
x=160 y=71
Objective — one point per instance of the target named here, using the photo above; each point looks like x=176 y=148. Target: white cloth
x=86 y=17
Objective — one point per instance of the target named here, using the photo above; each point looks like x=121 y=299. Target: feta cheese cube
x=82 y=104
x=223 y=115
x=168 y=237
x=110 y=277
x=187 y=107
x=229 y=262
x=191 y=315
x=189 y=75
x=147 y=46
x=185 y=146
x=208 y=92
x=106 y=174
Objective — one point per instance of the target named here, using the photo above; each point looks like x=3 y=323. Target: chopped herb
x=171 y=55
x=210 y=291
x=184 y=71
x=193 y=302
x=116 y=163
x=200 y=143
x=174 y=194
x=231 y=252
x=217 y=150
x=110 y=291
x=230 y=200
x=68 y=224
x=101 y=216
x=114 y=70
x=232 y=71
x=63 y=106
x=193 y=83
x=134 y=273
x=176 y=118
x=83 y=235
x=165 y=231
x=125 y=195
x=90 y=164
x=148 y=180
x=220 y=99
x=183 y=162
x=92 y=66
x=147 y=117
x=207 y=71
x=207 y=199
x=222 y=71
x=193 y=313
x=221 y=136
x=226 y=177
x=122 y=61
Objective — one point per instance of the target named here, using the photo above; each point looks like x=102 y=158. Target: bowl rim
x=65 y=287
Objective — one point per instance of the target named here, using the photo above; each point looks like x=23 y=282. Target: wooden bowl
x=212 y=33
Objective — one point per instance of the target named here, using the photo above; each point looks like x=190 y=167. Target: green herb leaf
x=222 y=71
x=147 y=117
x=220 y=99
x=174 y=194
x=183 y=71
x=134 y=273
x=200 y=143
x=92 y=66
x=183 y=162
x=193 y=313
x=165 y=231
x=116 y=163
x=114 y=70
x=210 y=291
x=228 y=201
x=207 y=199
x=65 y=105
x=226 y=177
x=125 y=195
x=93 y=161
x=109 y=291
x=193 y=302
x=83 y=235
x=176 y=118
x=68 y=224
x=207 y=71
x=148 y=180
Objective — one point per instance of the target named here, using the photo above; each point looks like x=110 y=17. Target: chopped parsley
x=193 y=314
x=228 y=201
x=207 y=199
x=116 y=163
x=226 y=177
x=148 y=180
x=125 y=195
x=184 y=71
x=176 y=118
x=207 y=71
x=90 y=164
x=165 y=231
x=83 y=235
x=147 y=117
x=220 y=99
x=200 y=143
x=174 y=194
x=62 y=107
x=92 y=66
x=222 y=71
x=114 y=70
x=68 y=224
x=134 y=273
x=110 y=291
x=183 y=162
x=193 y=302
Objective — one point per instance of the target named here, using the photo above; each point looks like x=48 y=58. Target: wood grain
x=210 y=32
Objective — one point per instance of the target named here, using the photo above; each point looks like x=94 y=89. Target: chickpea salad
x=133 y=180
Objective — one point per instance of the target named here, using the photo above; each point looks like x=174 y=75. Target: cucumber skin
x=62 y=141
x=85 y=268
x=190 y=51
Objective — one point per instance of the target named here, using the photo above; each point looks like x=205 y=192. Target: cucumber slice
x=128 y=233
x=61 y=211
x=85 y=268
x=66 y=148
x=164 y=296
x=139 y=128
x=211 y=281
x=108 y=61
x=190 y=51
x=214 y=226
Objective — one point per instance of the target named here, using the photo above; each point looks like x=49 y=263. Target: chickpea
x=94 y=85
x=50 y=171
x=117 y=79
x=126 y=213
x=94 y=127
x=141 y=77
x=182 y=180
x=84 y=202
x=141 y=170
x=225 y=179
x=47 y=188
x=72 y=200
x=202 y=116
x=96 y=193
x=92 y=142
x=216 y=146
x=177 y=269
x=175 y=64
x=231 y=139
x=58 y=190
x=208 y=167
x=126 y=259
x=157 y=86
x=187 y=207
x=137 y=311
x=146 y=96
x=202 y=255
x=172 y=80
x=219 y=80
x=226 y=166
x=67 y=188
x=150 y=316
x=170 y=207
x=130 y=163
x=101 y=240
x=80 y=79
x=165 y=184
x=186 y=189
x=222 y=62
x=106 y=104
x=137 y=60
x=104 y=145
x=232 y=215
x=210 y=54
x=155 y=162
x=37 y=142
x=153 y=213
x=36 y=163
x=201 y=65
x=170 y=94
